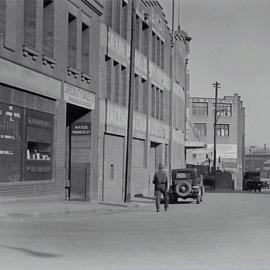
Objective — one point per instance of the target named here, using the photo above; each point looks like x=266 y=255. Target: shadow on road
x=184 y=202
x=32 y=252
x=147 y=199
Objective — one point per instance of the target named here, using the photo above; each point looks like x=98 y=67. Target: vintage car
x=186 y=184
x=252 y=181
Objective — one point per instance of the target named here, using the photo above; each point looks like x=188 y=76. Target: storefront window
x=10 y=143
x=39 y=141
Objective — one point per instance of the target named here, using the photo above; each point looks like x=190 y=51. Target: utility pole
x=148 y=21
x=127 y=196
x=249 y=158
x=216 y=85
x=185 y=113
x=171 y=93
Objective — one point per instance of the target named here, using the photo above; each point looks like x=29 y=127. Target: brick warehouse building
x=159 y=113
x=230 y=144
x=49 y=80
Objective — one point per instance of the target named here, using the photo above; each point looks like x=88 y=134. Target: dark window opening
x=72 y=40
x=85 y=49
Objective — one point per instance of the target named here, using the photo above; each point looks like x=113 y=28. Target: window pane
x=223 y=130
x=85 y=48
x=223 y=109
x=10 y=143
x=200 y=108
x=200 y=129
x=72 y=40
x=30 y=23
x=39 y=141
x=48 y=27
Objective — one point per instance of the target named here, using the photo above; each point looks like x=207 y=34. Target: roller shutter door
x=113 y=168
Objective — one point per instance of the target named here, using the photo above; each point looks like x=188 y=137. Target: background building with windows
x=49 y=79
x=258 y=159
x=159 y=96
x=230 y=134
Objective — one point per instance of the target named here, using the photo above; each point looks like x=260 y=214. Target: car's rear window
x=183 y=175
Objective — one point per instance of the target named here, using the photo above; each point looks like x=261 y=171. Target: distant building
x=258 y=159
x=230 y=134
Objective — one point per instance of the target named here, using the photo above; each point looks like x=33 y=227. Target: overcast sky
x=230 y=44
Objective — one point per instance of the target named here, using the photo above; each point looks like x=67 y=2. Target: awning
x=194 y=145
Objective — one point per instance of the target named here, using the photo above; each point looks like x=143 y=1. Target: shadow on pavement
x=33 y=253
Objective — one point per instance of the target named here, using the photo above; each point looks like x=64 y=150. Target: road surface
x=226 y=231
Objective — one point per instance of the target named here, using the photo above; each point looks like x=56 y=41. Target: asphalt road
x=227 y=231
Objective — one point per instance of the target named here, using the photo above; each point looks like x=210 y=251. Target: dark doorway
x=78 y=147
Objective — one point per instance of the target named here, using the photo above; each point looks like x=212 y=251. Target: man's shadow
x=149 y=199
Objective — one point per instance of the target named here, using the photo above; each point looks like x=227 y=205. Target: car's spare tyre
x=183 y=188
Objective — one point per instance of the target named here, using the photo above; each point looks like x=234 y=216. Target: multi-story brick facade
x=49 y=80
x=230 y=142
x=159 y=96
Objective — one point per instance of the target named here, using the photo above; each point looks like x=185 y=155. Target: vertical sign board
x=10 y=143
x=39 y=142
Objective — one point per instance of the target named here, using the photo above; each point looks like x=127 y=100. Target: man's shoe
x=158 y=210
x=165 y=209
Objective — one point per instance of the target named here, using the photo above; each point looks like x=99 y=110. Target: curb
x=60 y=208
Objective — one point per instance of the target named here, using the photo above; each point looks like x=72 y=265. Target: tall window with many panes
x=200 y=108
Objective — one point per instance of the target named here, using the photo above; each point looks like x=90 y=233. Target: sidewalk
x=36 y=207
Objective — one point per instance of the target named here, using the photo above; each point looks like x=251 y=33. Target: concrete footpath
x=38 y=208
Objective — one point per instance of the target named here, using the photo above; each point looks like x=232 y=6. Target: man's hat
x=161 y=166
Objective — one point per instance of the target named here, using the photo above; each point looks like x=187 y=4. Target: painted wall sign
x=159 y=129
x=118 y=46
x=117 y=118
x=224 y=150
x=79 y=97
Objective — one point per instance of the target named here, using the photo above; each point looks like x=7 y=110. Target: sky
x=230 y=44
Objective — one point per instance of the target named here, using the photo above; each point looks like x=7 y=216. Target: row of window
x=116 y=82
x=157 y=102
x=201 y=109
x=73 y=44
x=30 y=24
x=223 y=130
x=117 y=91
x=117 y=19
x=117 y=16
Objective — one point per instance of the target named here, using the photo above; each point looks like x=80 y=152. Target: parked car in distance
x=186 y=184
x=252 y=181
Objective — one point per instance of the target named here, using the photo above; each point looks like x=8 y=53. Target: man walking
x=161 y=186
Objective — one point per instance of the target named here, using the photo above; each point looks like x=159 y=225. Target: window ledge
x=31 y=52
x=48 y=60
x=72 y=71
x=85 y=77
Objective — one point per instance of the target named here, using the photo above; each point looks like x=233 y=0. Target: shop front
x=27 y=130
x=79 y=149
